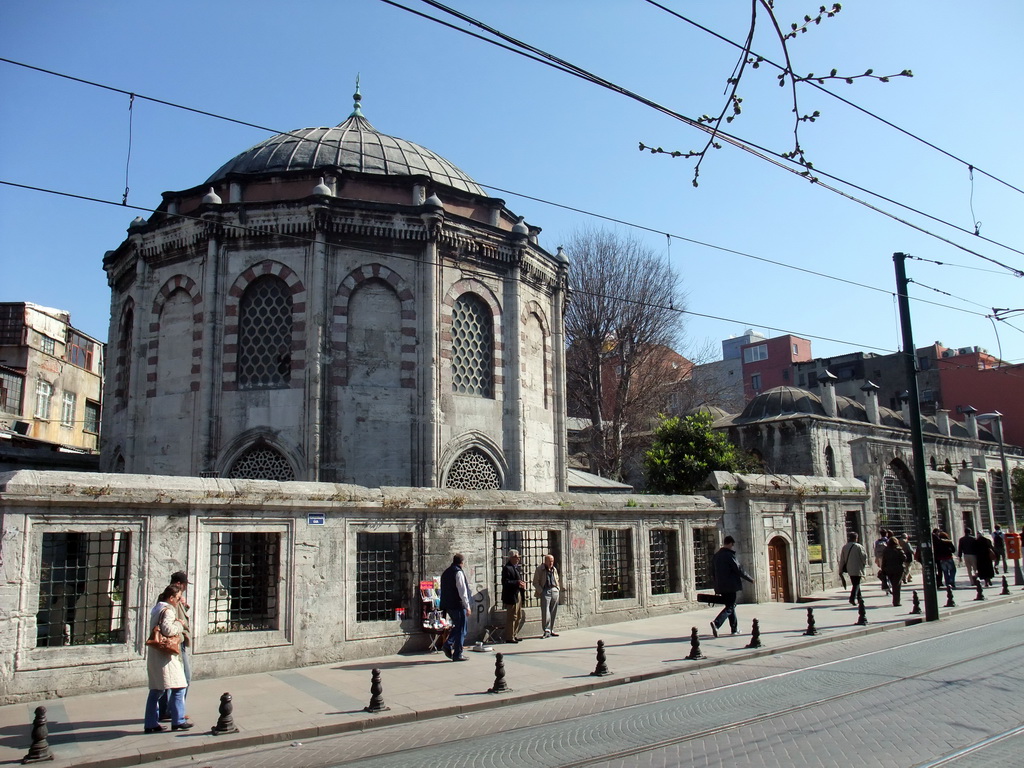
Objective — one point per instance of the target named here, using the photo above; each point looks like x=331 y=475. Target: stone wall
x=154 y=525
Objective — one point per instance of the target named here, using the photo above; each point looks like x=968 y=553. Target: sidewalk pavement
x=104 y=730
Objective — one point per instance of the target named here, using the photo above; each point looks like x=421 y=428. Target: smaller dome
x=560 y=256
x=714 y=411
x=520 y=228
x=781 y=401
x=211 y=198
x=850 y=409
x=433 y=202
x=322 y=189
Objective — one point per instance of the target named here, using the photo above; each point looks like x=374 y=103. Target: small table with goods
x=435 y=623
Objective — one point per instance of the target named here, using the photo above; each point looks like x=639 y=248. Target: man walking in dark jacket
x=728 y=576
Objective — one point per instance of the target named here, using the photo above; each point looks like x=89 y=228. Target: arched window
x=473 y=471
x=472 y=347
x=948 y=467
x=934 y=463
x=265 y=335
x=261 y=462
x=374 y=336
x=897 y=508
x=830 y=461
x=174 y=360
x=124 y=356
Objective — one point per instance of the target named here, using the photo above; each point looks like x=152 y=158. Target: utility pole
x=924 y=534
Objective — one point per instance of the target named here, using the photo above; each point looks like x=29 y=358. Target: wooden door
x=778 y=569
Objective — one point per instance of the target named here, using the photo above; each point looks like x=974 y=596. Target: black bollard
x=500 y=686
x=695 y=646
x=1006 y=587
x=862 y=614
x=40 y=749
x=376 y=694
x=602 y=667
x=225 y=722
x=950 y=602
x=981 y=590
x=811 y=630
x=917 y=605
x=755 y=635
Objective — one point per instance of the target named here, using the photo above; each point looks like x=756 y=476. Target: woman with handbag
x=163 y=662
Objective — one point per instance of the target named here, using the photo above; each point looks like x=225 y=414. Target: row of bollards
x=40 y=750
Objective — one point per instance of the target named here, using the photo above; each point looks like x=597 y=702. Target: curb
x=214 y=744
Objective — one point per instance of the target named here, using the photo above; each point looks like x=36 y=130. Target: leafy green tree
x=686 y=450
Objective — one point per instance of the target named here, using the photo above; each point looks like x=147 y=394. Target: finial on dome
x=322 y=189
x=356 y=97
x=212 y=198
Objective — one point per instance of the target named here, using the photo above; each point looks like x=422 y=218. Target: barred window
x=92 y=417
x=44 y=393
x=244 y=573
x=532 y=546
x=999 y=512
x=897 y=513
x=12 y=388
x=67 y=409
x=261 y=462
x=704 y=541
x=383 y=574
x=616 y=554
x=12 y=324
x=983 y=500
x=473 y=471
x=49 y=345
x=265 y=335
x=665 y=562
x=81 y=588
x=472 y=347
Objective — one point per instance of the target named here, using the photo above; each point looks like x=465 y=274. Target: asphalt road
x=948 y=693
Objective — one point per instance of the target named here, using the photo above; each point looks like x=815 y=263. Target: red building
x=978 y=379
x=769 y=363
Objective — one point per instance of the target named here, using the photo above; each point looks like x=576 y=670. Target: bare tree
x=622 y=326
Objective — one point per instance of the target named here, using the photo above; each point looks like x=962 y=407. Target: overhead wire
x=837 y=97
x=750 y=147
x=724 y=249
x=414 y=259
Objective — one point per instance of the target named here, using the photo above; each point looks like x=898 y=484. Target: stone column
x=513 y=406
x=428 y=369
x=558 y=299
x=210 y=373
x=318 y=317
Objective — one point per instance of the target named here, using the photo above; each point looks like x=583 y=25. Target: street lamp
x=996 y=419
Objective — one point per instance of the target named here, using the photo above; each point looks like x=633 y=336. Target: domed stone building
x=337 y=304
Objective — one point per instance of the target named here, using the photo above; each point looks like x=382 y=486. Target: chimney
x=972 y=420
x=870 y=391
x=828 y=392
x=942 y=420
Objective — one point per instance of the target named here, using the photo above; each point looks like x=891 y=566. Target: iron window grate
x=665 y=562
x=244 y=573
x=704 y=540
x=616 y=553
x=532 y=546
x=383 y=574
x=82 y=588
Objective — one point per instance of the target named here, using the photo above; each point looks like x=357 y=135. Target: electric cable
x=834 y=95
x=762 y=153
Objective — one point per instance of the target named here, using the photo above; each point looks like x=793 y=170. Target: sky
x=757 y=247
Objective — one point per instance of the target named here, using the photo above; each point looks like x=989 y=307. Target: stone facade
x=361 y=315
x=288 y=574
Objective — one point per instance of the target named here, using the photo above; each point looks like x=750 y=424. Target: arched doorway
x=778 y=570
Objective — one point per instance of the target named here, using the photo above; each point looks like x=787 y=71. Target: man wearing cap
x=180 y=579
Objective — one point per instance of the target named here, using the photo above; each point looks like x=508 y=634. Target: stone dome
x=780 y=401
x=354 y=145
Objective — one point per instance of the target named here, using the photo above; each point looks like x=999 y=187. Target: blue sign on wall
x=315 y=518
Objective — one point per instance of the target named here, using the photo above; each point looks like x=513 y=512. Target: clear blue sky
x=523 y=127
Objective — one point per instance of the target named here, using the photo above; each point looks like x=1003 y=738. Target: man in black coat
x=728 y=577
x=513 y=595
x=455 y=602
